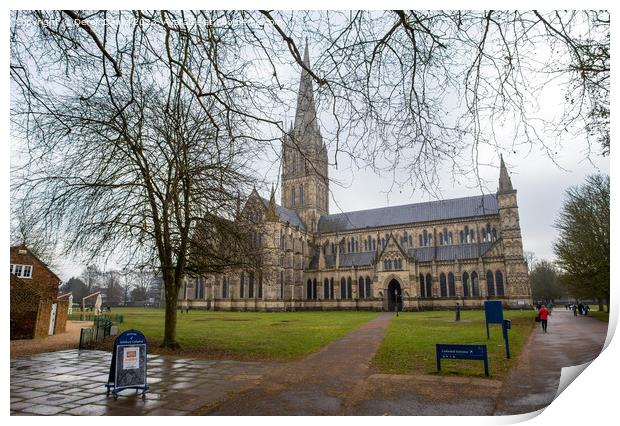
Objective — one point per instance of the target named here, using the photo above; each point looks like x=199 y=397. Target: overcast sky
x=540 y=183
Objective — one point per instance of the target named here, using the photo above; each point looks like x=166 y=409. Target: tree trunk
x=601 y=307
x=170 y=327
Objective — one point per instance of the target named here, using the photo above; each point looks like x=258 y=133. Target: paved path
x=333 y=381
x=70 y=339
x=72 y=383
x=533 y=384
x=320 y=384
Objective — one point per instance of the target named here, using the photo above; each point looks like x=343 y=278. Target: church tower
x=517 y=278
x=305 y=182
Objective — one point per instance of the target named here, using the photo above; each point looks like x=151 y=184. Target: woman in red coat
x=543 y=313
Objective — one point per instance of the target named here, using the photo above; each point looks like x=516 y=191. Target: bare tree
x=127 y=157
x=142 y=127
x=411 y=90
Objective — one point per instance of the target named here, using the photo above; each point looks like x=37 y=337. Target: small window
x=22 y=271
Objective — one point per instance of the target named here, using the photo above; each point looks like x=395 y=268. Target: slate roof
x=480 y=205
x=286 y=215
x=441 y=253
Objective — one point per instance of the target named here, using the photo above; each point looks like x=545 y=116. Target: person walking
x=543 y=313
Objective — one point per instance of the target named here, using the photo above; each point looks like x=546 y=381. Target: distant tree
x=530 y=259
x=112 y=288
x=92 y=276
x=77 y=287
x=545 y=282
x=582 y=247
x=138 y=294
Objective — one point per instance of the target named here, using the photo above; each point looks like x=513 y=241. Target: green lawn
x=246 y=335
x=409 y=345
x=599 y=315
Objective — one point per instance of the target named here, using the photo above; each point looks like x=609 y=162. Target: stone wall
x=43 y=319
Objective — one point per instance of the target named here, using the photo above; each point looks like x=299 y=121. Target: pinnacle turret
x=505 y=184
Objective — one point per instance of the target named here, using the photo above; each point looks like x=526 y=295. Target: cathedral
x=420 y=256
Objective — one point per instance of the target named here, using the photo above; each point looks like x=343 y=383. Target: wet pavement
x=570 y=340
x=72 y=382
x=336 y=380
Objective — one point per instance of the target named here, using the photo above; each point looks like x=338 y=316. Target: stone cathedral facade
x=419 y=256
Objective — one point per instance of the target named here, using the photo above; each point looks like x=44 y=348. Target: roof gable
x=286 y=215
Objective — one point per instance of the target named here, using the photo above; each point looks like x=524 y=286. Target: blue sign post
x=494 y=313
x=128 y=368
x=472 y=352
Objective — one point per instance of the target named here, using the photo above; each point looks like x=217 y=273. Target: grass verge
x=409 y=344
x=245 y=335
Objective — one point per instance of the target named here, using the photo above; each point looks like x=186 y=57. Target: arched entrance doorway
x=394 y=296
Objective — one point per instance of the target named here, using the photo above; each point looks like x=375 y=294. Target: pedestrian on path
x=543 y=313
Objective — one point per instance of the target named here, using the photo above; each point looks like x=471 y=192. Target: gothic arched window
x=314 y=295
x=224 y=288
x=325 y=288
x=441 y=238
x=331 y=288
x=309 y=289
x=422 y=288
x=360 y=288
x=465 y=284
x=429 y=285
x=260 y=285
x=293 y=197
x=451 y=286
x=251 y=285
x=475 y=289
x=443 y=287
x=343 y=288
x=490 y=284
x=499 y=282
x=241 y=285
x=450 y=238
x=368 y=288
x=349 y=288
x=462 y=237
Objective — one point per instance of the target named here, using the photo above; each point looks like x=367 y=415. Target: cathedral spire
x=272 y=212
x=505 y=185
x=305 y=116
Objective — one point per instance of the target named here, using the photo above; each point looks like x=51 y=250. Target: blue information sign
x=471 y=352
x=128 y=367
x=493 y=313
